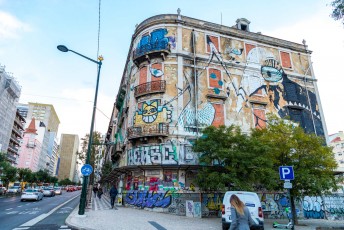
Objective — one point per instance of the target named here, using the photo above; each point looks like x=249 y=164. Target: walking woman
x=240 y=215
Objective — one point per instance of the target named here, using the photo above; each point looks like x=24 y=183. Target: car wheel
x=21 y=200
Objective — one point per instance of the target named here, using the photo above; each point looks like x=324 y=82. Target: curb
x=73 y=225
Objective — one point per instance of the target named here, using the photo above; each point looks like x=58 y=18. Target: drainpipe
x=195 y=80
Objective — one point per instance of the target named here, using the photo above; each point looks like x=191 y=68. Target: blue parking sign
x=286 y=172
x=86 y=170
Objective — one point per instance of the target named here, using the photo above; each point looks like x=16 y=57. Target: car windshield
x=57 y=188
x=30 y=190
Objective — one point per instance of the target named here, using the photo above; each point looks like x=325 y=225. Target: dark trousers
x=113 y=198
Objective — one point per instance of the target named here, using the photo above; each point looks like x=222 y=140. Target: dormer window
x=243 y=24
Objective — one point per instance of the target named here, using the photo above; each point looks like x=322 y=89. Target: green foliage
x=66 y=181
x=313 y=162
x=106 y=169
x=242 y=162
x=338 y=10
x=96 y=137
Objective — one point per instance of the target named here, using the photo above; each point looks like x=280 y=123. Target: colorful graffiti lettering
x=168 y=153
x=146 y=199
x=150 y=113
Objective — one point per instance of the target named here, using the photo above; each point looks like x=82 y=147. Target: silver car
x=14 y=190
x=32 y=194
x=58 y=190
x=48 y=191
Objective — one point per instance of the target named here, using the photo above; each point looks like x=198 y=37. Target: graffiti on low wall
x=309 y=207
x=146 y=199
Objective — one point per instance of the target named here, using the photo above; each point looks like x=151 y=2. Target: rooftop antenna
x=221 y=18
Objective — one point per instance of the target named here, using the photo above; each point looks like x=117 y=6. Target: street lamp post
x=82 y=204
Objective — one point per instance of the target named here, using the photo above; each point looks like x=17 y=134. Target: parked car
x=79 y=187
x=70 y=189
x=58 y=190
x=252 y=202
x=14 y=190
x=32 y=194
x=48 y=191
x=3 y=190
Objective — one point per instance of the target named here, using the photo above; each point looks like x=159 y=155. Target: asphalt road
x=43 y=214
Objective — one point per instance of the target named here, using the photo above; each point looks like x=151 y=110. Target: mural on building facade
x=285 y=97
x=166 y=153
x=154 y=41
x=149 y=112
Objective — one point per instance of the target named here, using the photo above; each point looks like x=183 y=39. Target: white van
x=252 y=202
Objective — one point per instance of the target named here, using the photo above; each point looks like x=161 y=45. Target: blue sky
x=30 y=30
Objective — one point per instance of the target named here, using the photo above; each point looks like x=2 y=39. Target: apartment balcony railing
x=149 y=88
x=11 y=158
x=15 y=140
x=160 y=129
x=19 y=123
x=17 y=131
x=147 y=51
x=13 y=149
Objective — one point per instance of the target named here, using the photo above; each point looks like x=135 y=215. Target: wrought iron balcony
x=149 y=88
x=147 y=51
x=160 y=129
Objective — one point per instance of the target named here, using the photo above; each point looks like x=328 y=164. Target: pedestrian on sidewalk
x=100 y=193
x=113 y=194
x=241 y=217
x=95 y=190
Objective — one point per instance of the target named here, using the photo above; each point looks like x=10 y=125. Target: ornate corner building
x=183 y=74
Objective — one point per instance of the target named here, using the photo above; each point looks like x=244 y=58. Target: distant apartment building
x=15 y=139
x=9 y=95
x=69 y=145
x=337 y=142
x=31 y=148
x=49 y=121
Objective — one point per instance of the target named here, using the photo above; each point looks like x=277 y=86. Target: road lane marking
x=20 y=228
x=20 y=206
x=43 y=216
x=64 y=226
x=9 y=209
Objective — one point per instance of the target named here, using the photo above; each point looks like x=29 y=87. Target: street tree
x=233 y=160
x=338 y=10
x=313 y=162
x=96 y=145
x=106 y=169
x=9 y=173
x=66 y=181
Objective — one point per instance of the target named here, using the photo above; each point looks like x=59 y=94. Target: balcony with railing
x=12 y=149
x=150 y=88
x=11 y=158
x=14 y=140
x=160 y=129
x=151 y=46
x=17 y=131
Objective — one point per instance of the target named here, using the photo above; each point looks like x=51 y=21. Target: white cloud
x=10 y=26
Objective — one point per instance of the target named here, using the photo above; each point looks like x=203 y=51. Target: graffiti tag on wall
x=146 y=199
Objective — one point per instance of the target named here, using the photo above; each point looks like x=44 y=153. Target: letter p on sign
x=286 y=172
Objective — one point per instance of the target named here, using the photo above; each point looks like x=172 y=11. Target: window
x=251 y=53
x=285 y=59
x=259 y=116
x=214 y=40
x=143 y=75
x=215 y=79
x=219 y=118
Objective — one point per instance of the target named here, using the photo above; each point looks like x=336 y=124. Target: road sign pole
x=292 y=214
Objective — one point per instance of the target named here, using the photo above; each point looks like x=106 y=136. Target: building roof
x=32 y=127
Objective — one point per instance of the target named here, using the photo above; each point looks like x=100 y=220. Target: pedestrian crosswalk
x=101 y=204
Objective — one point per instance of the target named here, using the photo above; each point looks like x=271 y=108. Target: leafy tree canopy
x=338 y=10
x=233 y=159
